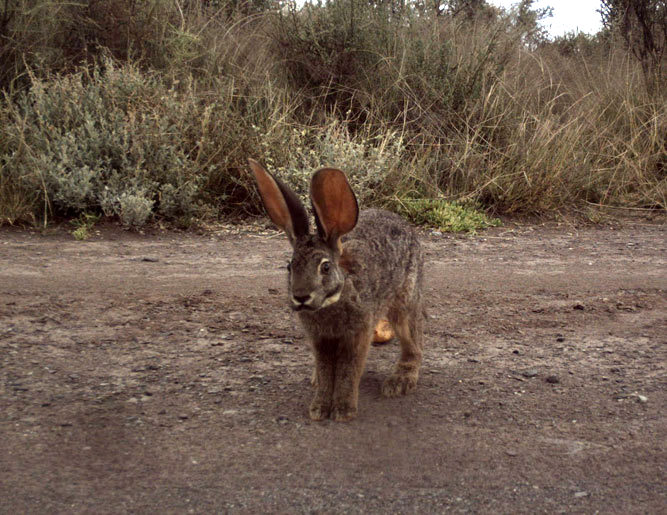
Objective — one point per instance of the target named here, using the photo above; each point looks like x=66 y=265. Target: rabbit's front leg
x=323 y=381
x=350 y=364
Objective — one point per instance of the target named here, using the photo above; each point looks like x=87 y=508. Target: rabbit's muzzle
x=300 y=302
x=311 y=301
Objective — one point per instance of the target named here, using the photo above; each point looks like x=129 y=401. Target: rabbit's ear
x=334 y=203
x=281 y=203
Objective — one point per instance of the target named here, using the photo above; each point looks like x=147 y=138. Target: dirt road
x=165 y=374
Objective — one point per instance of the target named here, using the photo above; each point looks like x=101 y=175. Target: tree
x=528 y=19
x=467 y=8
x=643 y=26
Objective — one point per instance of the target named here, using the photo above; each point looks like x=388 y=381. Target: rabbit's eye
x=325 y=267
x=289 y=266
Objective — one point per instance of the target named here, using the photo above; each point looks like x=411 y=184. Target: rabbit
x=355 y=270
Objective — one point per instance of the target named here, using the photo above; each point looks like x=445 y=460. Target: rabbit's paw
x=399 y=384
x=343 y=413
x=318 y=410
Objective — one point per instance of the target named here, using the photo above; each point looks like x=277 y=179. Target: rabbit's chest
x=341 y=320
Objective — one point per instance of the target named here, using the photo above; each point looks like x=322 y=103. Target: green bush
x=83 y=225
x=107 y=141
x=445 y=215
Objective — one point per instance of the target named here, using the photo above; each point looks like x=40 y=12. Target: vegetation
x=83 y=225
x=138 y=110
x=446 y=216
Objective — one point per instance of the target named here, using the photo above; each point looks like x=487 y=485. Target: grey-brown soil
x=165 y=374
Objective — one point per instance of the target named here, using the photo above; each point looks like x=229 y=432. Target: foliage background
x=149 y=109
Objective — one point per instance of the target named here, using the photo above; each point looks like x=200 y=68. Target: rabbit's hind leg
x=409 y=328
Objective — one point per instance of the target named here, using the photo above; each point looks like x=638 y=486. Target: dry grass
x=412 y=106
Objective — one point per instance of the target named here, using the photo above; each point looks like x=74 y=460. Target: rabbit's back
x=386 y=257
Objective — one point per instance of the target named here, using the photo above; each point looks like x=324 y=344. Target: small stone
x=529 y=373
x=511 y=453
x=581 y=494
x=578 y=306
x=148 y=259
x=282 y=419
x=183 y=416
x=560 y=338
x=642 y=398
x=552 y=379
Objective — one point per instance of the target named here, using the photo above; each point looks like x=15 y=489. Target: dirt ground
x=164 y=373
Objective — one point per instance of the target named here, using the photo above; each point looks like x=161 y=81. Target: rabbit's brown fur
x=356 y=269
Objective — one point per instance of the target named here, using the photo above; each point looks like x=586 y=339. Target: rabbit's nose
x=302 y=300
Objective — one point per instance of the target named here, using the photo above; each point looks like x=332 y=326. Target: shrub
x=43 y=37
x=418 y=105
x=376 y=62
x=368 y=160
x=445 y=215
x=83 y=225
x=108 y=141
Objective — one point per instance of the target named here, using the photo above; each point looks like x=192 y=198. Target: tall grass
x=149 y=109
